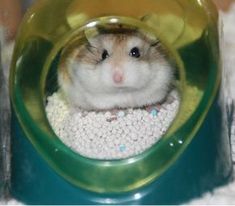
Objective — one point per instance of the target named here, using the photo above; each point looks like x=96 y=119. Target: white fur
x=92 y=86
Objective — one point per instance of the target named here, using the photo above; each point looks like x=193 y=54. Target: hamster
x=116 y=71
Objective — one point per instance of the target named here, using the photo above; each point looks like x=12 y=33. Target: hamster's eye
x=135 y=52
x=105 y=54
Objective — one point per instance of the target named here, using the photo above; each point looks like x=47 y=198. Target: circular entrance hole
x=112 y=90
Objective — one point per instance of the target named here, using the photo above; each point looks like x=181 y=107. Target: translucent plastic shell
x=183 y=26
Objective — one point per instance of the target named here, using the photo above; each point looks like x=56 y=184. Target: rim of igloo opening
x=115 y=24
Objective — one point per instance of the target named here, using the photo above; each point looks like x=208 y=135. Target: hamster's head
x=113 y=65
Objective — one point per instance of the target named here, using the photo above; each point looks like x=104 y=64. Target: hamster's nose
x=118 y=77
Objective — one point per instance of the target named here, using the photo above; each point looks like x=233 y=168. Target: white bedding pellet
x=115 y=134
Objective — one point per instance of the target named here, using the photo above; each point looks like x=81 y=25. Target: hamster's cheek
x=87 y=77
x=137 y=75
x=106 y=76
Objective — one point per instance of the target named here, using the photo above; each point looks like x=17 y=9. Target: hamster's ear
x=94 y=41
x=158 y=46
x=155 y=43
